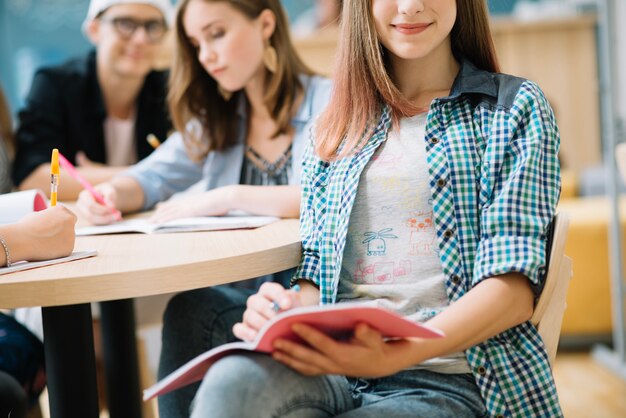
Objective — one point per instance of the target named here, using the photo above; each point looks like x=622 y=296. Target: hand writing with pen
x=366 y=354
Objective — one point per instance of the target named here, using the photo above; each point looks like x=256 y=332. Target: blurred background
x=556 y=43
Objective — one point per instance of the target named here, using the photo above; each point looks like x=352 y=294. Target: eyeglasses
x=126 y=27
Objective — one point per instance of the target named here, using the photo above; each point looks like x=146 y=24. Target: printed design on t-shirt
x=376 y=244
x=427 y=314
x=387 y=159
x=422 y=235
x=380 y=273
x=387 y=210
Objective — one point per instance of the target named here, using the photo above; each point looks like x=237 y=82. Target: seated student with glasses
x=127 y=26
x=98 y=109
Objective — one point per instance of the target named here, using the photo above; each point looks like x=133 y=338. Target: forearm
x=69 y=188
x=4 y=234
x=309 y=293
x=18 y=242
x=493 y=306
x=281 y=201
x=129 y=194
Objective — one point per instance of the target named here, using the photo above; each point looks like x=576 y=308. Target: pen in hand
x=275 y=305
x=71 y=170
x=54 y=177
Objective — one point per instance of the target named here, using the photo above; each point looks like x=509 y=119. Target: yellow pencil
x=54 y=177
x=153 y=140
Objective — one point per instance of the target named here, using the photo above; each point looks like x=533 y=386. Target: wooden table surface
x=134 y=265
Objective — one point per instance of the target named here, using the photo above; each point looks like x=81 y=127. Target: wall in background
x=35 y=33
x=44 y=32
x=295 y=7
x=620 y=17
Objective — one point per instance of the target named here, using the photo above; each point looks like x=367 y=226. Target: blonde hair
x=193 y=93
x=363 y=83
x=6 y=125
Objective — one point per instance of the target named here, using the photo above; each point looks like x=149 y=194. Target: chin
x=233 y=87
x=411 y=53
x=135 y=69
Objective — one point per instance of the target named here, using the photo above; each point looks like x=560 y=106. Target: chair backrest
x=550 y=308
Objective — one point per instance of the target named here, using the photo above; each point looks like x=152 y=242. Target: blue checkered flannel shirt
x=492 y=149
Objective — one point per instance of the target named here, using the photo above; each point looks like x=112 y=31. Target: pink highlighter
x=71 y=170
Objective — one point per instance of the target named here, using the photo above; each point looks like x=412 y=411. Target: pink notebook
x=336 y=320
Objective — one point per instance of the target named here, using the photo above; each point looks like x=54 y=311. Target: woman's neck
x=425 y=79
x=255 y=92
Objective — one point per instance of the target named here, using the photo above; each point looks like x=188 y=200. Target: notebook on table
x=27 y=265
x=14 y=206
x=203 y=223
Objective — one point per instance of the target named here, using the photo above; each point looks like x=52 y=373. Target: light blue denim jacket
x=169 y=170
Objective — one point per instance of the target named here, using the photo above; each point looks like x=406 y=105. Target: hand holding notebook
x=337 y=321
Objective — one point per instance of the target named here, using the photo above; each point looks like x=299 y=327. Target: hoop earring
x=270 y=59
x=226 y=95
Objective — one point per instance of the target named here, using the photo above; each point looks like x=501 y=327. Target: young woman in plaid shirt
x=428 y=188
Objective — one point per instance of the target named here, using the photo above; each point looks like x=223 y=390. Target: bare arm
x=129 y=195
x=493 y=306
x=309 y=294
x=69 y=188
x=281 y=201
x=39 y=236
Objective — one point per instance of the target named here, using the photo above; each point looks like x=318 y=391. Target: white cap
x=98 y=6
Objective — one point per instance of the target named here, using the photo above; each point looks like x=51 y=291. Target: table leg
x=120 y=358
x=70 y=364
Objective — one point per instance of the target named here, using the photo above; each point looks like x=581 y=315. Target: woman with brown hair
x=452 y=167
x=241 y=100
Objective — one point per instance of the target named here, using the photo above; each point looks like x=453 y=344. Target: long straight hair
x=193 y=93
x=363 y=82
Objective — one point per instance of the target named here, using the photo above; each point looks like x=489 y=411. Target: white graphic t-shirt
x=391 y=255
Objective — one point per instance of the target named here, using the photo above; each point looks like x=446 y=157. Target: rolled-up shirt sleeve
x=525 y=177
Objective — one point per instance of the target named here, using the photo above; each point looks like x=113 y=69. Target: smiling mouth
x=411 y=29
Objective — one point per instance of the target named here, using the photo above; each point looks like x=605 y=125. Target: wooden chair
x=550 y=308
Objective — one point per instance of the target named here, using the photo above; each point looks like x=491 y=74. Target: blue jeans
x=195 y=322
x=255 y=385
